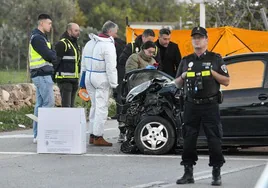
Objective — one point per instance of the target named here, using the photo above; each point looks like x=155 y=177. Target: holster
x=220 y=97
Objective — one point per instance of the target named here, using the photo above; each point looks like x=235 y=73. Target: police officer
x=41 y=59
x=201 y=74
x=68 y=67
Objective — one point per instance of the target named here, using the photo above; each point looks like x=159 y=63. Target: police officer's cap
x=199 y=30
x=44 y=17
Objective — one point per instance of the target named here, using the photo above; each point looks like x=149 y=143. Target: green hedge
x=10 y=119
x=13 y=77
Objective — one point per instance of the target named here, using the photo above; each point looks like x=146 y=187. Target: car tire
x=154 y=135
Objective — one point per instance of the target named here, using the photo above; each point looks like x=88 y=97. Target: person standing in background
x=169 y=53
x=68 y=65
x=41 y=59
x=99 y=75
x=129 y=49
x=119 y=46
x=144 y=59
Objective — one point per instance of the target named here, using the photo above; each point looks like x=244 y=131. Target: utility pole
x=202 y=11
x=202 y=14
x=180 y=23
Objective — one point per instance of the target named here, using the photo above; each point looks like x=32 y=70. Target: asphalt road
x=100 y=167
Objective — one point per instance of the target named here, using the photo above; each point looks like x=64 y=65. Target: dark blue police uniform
x=202 y=99
x=201 y=107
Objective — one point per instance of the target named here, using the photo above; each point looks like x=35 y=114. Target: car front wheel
x=154 y=135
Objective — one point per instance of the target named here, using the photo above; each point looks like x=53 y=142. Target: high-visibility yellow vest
x=76 y=57
x=35 y=59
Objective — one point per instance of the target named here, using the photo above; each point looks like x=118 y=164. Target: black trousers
x=209 y=116
x=117 y=96
x=68 y=92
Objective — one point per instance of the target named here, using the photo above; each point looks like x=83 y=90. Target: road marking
x=231 y=171
x=31 y=136
x=263 y=180
x=134 y=156
x=202 y=172
x=17 y=136
x=197 y=178
x=152 y=184
x=17 y=153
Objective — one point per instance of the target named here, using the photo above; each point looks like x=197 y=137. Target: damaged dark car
x=153 y=109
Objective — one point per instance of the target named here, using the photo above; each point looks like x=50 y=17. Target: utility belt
x=214 y=99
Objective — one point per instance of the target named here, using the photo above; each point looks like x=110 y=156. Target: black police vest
x=69 y=67
x=199 y=82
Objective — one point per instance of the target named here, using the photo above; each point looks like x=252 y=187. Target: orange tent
x=224 y=40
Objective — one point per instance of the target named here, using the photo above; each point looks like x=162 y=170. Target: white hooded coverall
x=99 y=62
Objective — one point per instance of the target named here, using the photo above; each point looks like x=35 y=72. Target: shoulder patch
x=224 y=69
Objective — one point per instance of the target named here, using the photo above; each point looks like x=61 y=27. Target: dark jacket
x=39 y=43
x=170 y=58
x=67 y=65
x=119 y=46
x=128 y=50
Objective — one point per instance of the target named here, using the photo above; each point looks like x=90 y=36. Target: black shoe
x=187 y=176
x=216 y=176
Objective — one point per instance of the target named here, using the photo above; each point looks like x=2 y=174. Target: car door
x=244 y=111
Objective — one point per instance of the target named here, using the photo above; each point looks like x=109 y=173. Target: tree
x=237 y=13
x=79 y=17
x=136 y=10
x=20 y=17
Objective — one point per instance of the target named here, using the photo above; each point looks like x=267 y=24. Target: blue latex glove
x=82 y=80
x=150 y=67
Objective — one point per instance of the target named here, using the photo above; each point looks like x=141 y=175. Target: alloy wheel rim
x=154 y=136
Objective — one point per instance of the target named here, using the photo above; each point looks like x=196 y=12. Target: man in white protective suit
x=99 y=75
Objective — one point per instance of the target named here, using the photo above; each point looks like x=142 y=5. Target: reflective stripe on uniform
x=62 y=40
x=75 y=74
x=76 y=59
x=36 y=60
x=65 y=73
x=190 y=74
x=206 y=73
x=94 y=58
x=68 y=57
x=96 y=71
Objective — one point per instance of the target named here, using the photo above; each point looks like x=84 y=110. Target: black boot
x=187 y=176
x=216 y=176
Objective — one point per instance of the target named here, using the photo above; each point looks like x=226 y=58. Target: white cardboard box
x=61 y=130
